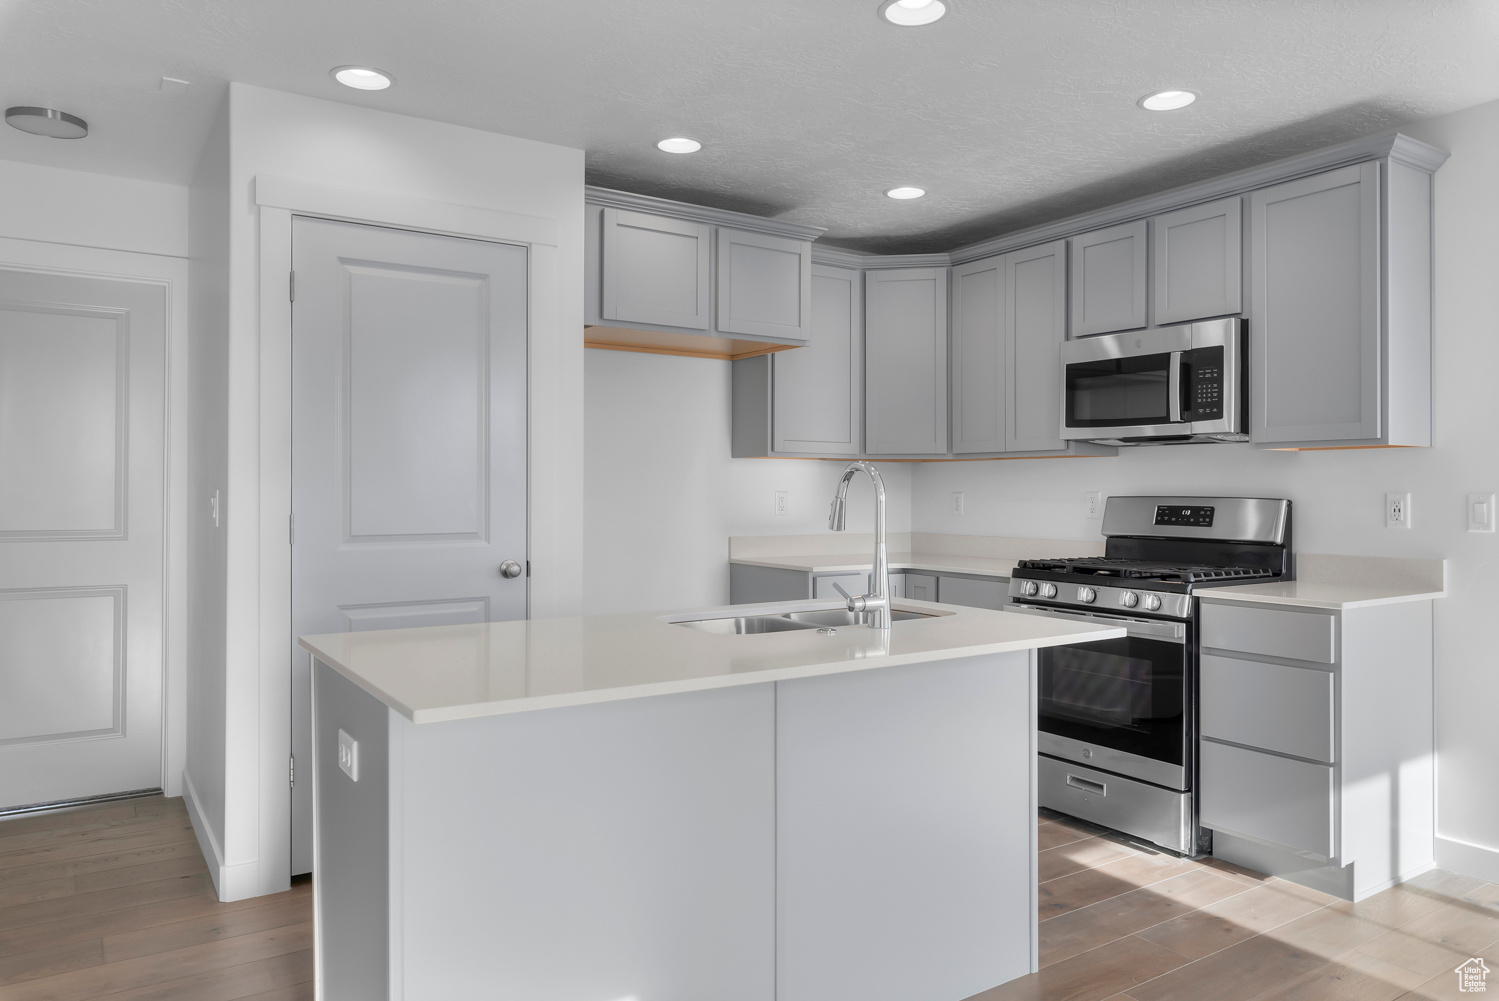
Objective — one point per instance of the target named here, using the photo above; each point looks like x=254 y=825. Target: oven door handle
x=1174 y=388
x=1171 y=632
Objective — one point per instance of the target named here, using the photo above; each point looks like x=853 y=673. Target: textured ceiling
x=1010 y=112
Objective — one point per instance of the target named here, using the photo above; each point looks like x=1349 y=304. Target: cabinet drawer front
x=853 y=583
x=1275 y=799
x=978 y=593
x=922 y=587
x=1295 y=635
x=1286 y=709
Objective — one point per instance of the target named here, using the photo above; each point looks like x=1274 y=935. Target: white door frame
x=170 y=273
x=277 y=200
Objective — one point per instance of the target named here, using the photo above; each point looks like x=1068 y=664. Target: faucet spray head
x=836 y=515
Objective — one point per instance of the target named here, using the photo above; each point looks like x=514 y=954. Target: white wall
x=663 y=496
x=92 y=210
x=362 y=150
x=1339 y=495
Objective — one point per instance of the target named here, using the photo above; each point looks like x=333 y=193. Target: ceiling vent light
x=1167 y=100
x=47 y=122
x=905 y=193
x=362 y=77
x=912 y=13
x=679 y=144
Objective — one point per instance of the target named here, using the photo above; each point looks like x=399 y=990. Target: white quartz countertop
x=927 y=562
x=458 y=672
x=1330 y=581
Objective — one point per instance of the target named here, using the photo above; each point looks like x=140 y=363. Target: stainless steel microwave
x=1167 y=385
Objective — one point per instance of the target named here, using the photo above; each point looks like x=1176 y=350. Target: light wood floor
x=114 y=901
x=1119 y=921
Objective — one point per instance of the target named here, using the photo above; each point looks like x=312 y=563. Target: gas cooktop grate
x=1103 y=566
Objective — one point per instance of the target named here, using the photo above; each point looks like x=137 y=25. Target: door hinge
x=291 y=529
x=291 y=771
x=528 y=568
x=291 y=286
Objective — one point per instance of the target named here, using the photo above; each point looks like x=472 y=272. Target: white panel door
x=408 y=442
x=82 y=447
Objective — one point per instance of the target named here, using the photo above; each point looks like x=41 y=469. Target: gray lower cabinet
x=1340 y=308
x=1315 y=758
x=749 y=584
x=976 y=591
x=905 y=344
x=1198 y=262
x=918 y=586
x=1108 y=279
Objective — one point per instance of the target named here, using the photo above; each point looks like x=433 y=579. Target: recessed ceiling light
x=363 y=77
x=910 y=13
x=679 y=144
x=1167 y=100
x=905 y=193
x=47 y=122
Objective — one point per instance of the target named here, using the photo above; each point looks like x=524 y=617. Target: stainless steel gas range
x=1118 y=718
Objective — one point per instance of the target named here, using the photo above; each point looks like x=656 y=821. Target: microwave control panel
x=1203 y=387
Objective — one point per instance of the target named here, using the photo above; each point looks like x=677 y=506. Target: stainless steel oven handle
x=1174 y=388
x=1171 y=632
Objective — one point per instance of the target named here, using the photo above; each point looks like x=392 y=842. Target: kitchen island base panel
x=871 y=826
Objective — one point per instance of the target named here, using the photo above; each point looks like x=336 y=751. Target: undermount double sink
x=788 y=621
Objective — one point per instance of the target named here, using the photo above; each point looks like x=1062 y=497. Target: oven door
x=1121 y=705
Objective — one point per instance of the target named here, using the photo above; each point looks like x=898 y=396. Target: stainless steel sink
x=742 y=625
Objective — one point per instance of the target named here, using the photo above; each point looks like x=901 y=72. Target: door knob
x=510 y=569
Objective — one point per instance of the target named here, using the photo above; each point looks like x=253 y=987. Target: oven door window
x=1127 y=694
x=1119 y=392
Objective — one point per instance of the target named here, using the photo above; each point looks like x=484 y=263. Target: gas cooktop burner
x=1103 y=566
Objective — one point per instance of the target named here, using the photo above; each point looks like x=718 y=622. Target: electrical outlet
x=348 y=755
x=957 y=502
x=1480 y=512
x=1397 y=510
x=1093 y=503
x=781 y=507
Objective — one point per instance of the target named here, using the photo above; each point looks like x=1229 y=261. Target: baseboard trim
x=207 y=843
x=1468 y=860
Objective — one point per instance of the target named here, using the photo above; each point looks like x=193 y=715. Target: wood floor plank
x=99 y=863
x=162 y=967
x=119 y=898
x=1355 y=978
x=101 y=830
x=1098 y=924
x=52 y=820
x=151 y=805
x=275 y=911
x=1435 y=941
x=106 y=923
x=49 y=961
x=1056 y=835
x=46 y=889
x=187 y=865
x=118 y=842
x=229 y=984
x=1223 y=924
x=1238 y=973
x=1443 y=985
x=1093 y=976
x=1329 y=932
x=1089 y=886
x=1080 y=855
x=295 y=992
x=292 y=968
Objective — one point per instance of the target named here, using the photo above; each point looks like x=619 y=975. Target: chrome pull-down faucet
x=877 y=602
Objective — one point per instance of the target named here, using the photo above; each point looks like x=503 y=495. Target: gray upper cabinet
x=1108 y=279
x=980 y=362
x=1198 y=263
x=764 y=285
x=905 y=343
x=816 y=393
x=1314 y=314
x=1035 y=325
x=655 y=270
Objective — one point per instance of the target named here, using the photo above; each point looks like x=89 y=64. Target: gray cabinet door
x=1199 y=268
x=1035 y=324
x=655 y=269
x=921 y=587
x=764 y=285
x=980 y=361
x=853 y=583
x=1108 y=279
x=985 y=592
x=1266 y=796
x=817 y=391
x=1314 y=308
x=905 y=343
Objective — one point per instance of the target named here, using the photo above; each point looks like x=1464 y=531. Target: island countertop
x=440 y=673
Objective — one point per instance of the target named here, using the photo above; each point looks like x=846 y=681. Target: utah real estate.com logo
x=1471 y=976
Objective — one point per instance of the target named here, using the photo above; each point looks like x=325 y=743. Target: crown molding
x=698 y=213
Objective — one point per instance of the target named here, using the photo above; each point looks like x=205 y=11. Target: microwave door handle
x=1174 y=388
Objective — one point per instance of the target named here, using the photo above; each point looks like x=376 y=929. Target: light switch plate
x=1480 y=512
x=348 y=755
x=957 y=502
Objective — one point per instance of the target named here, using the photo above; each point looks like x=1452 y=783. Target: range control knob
x=1030 y=588
x=1152 y=602
x=1048 y=590
x=1086 y=595
x=1129 y=599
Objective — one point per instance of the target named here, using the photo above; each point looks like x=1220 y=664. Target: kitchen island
x=655 y=807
